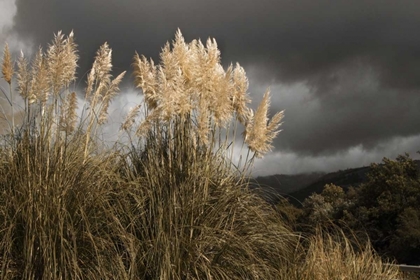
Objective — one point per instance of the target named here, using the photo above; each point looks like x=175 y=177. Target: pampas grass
x=170 y=204
x=333 y=257
x=7 y=66
x=7 y=70
x=259 y=134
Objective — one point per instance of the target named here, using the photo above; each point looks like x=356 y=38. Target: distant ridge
x=300 y=186
x=284 y=184
x=343 y=178
x=274 y=185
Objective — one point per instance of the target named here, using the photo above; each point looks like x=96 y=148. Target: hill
x=284 y=184
x=343 y=178
x=300 y=186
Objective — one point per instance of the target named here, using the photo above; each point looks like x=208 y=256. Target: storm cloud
x=347 y=73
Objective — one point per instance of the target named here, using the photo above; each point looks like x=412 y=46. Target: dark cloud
x=347 y=72
x=291 y=163
x=346 y=108
x=291 y=39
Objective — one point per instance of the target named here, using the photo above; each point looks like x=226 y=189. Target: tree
x=325 y=209
x=388 y=207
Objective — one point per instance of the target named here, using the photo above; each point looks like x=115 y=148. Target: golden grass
x=333 y=257
x=259 y=134
x=191 y=84
x=170 y=205
x=7 y=66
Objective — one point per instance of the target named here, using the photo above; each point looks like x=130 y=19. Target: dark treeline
x=385 y=210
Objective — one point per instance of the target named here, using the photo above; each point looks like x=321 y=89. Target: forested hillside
x=384 y=208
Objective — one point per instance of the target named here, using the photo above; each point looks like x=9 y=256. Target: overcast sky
x=347 y=73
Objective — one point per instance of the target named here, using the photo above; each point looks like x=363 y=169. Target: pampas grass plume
x=130 y=119
x=7 y=67
x=69 y=119
x=62 y=61
x=23 y=76
x=39 y=86
x=259 y=135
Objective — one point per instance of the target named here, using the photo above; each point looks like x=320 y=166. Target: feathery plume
x=39 y=89
x=259 y=136
x=130 y=119
x=169 y=65
x=273 y=125
x=194 y=66
x=102 y=64
x=68 y=116
x=201 y=64
x=99 y=77
x=174 y=76
x=240 y=96
x=90 y=84
x=212 y=52
x=182 y=55
x=221 y=90
x=171 y=91
x=147 y=124
x=23 y=76
x=184 y=97
x=62 y=61
x=71 y=112
x=203 y=121
x=70 y=60
x=210 y=80
x=7 y=67
x=103 y=114
x=107 y=98
x=166 y=104
x=145 y=74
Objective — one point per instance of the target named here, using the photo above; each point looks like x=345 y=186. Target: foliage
x=388 y=205
x=386 y=208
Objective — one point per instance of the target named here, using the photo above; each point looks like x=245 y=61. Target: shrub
x=334 y=257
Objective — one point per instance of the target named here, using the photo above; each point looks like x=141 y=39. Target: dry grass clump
x=332 y=256
x=194 y=219
x=171 y=205
x=56 y=188
x=56 y=217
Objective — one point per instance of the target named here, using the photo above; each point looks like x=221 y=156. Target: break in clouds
x=347 y=73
